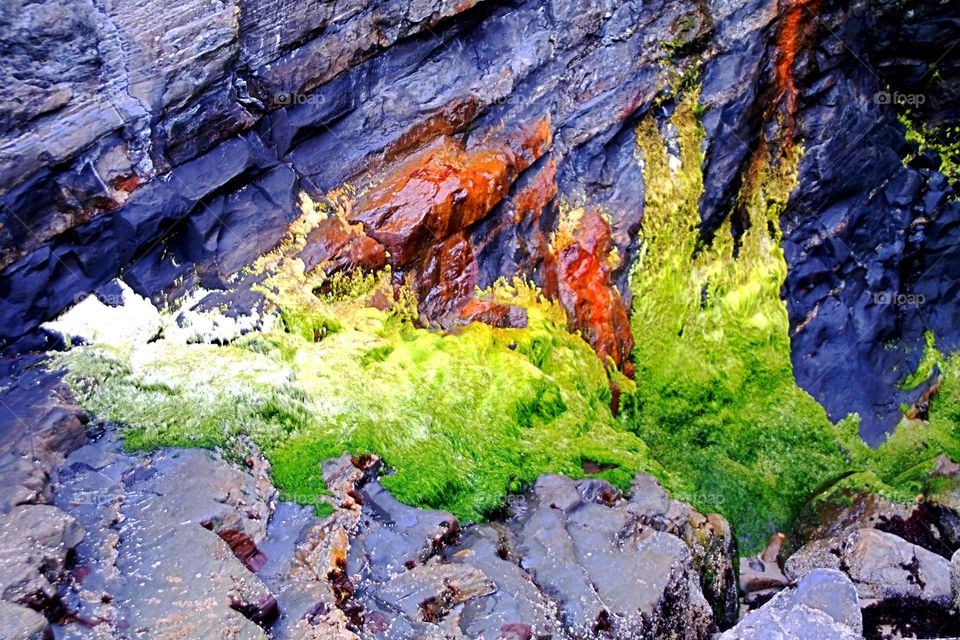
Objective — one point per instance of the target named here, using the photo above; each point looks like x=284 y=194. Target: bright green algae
x=716 y=400
x=459 y=418
x=900 y=467
x=944 y=140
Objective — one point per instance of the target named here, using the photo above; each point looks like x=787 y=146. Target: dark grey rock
x=709 y=538
x=21 y=623
x=35 y=543
x=171 y=542
x=429 y=592
x=823 y=605
x=886 y=570
x=955 y=577
x=398 y=534
x=603 y=572
x=517 y=599
x=884 y=566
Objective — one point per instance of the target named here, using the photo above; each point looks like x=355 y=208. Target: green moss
x=926 y=366
x=323 y=510
x=945 y=140
x=459 y=419
x=715 y=398
x=462 y=418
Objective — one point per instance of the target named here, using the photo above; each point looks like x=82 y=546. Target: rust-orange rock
x=335 y=245
x=447 y=277
x=578 y=274
x=444 y=190
x=799 y=23
x=538 y=194
x=495 y=314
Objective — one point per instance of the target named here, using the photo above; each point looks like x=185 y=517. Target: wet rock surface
x=37 y=540
x=567 y=564
x=177 y=154
x=169 y=542
x=859 y=244
x=21 y=623
x=822 y=605
x=183 y=543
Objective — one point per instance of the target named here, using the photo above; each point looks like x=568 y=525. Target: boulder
x=955 y=578
x=822 y=605
x=710 y=538
x=517 y=606
x=884 y=566
x=604 y=572
x=21 y=623
x=35 y=544
x=903 y=588
x=429 y=592
x=22 y=481
x=573 y=561
x=924 y=522
x=945 y=502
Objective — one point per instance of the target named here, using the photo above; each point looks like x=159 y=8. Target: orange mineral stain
x=578 y=274
x=796 y=27
x=444 y=190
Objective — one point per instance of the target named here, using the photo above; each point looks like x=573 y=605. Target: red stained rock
x=444 y=190
x=453 y=118
x=447 y=277
x=579 y=276
x=495 y=314
x=335 y=245
x=538 y=194
x=245 y=549
x=127 y=183
x=798 y=25
x=416 y=219
x=516 y=631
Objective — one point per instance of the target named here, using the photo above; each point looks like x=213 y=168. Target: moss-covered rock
x=459 y=418
x=715 y=398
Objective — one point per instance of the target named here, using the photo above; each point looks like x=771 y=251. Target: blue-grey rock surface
x=169 y=145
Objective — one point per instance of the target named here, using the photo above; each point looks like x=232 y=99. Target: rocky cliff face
x=383 y=228
x=479 y=140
